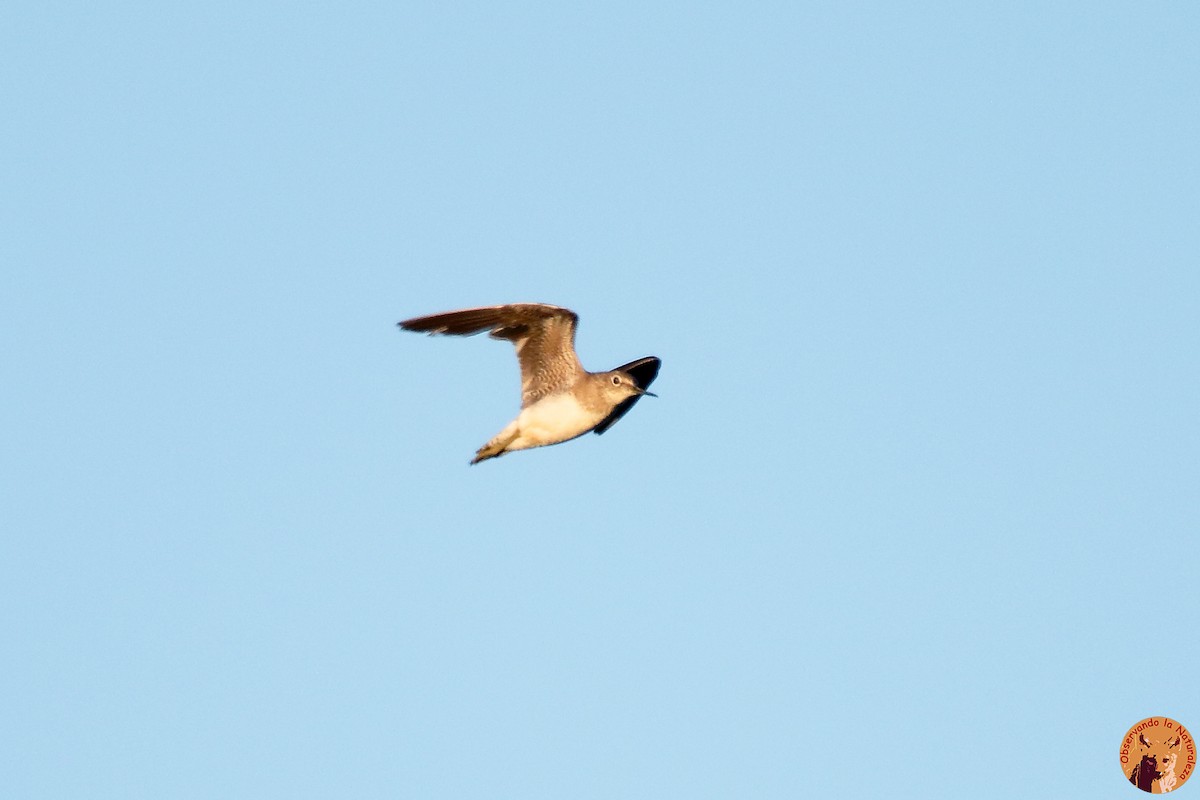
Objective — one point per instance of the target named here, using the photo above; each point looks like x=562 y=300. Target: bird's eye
x=616 y=380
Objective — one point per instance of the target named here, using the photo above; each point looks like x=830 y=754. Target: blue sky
x=915 y=514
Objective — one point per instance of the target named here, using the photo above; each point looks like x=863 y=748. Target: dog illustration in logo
x=1156 y=771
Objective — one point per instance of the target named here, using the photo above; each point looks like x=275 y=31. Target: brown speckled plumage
x=543 y=335
x=560 y=400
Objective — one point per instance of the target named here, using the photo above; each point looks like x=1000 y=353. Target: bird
x=560 y=400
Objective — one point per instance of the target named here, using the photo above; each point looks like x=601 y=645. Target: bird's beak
x=648 y=394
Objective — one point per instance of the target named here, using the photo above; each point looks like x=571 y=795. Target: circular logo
x=1158 y=755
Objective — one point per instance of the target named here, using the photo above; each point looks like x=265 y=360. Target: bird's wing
x=643 y=371
x=544 y=336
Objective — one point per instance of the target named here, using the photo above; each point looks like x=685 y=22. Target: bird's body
x=553 y=419
x=560 y=400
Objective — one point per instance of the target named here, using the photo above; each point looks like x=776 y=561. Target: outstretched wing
x=643 y=371
x=544 y=336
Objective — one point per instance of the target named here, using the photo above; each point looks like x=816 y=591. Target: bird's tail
x=486 y=452
x=497 y=445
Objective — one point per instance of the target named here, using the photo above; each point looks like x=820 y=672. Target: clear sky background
x=916 y=512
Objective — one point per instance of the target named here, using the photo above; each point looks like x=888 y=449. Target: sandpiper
x=560 y=400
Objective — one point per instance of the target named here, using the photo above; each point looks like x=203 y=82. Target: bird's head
x=624 y=386
x=619 y=385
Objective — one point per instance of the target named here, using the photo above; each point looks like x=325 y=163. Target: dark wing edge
x=643 y=371
x=471 y=321
x=467 y=322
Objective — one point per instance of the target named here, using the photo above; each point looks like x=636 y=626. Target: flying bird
x=560 y=400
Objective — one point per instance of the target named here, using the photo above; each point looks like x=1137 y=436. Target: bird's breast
x=557 y=418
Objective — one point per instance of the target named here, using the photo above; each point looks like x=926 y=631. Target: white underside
x=551 y=420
